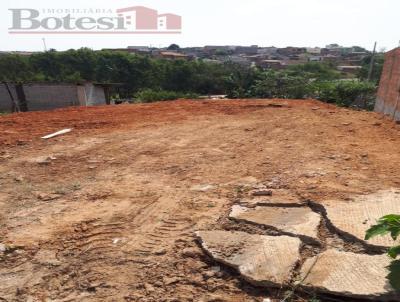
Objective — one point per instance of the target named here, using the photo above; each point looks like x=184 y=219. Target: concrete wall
x=50 y=96
x=6 y=105
x=46 y=96
x=388 y=99
x=94 y=95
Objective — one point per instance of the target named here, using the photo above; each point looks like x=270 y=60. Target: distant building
x=172 y=55
x=247 y=50
x=212 y=50
x=292 y=51
x=349 y=69
x=331 y=58
x=194 y=52
x=139 y=48
x=314 y=50
x=315 y=58
x=267 y=50
x=337 y=50
x=143 y=50
x=211 y=61
x=271 y=64
x=132 y=49
x=239 y=60
x=255 y=58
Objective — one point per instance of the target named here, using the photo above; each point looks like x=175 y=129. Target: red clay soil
x=30 y=126
x=108 y=211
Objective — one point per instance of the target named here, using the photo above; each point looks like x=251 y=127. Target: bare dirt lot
x=108 y=212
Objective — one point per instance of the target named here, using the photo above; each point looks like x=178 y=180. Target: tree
x=359 y=49
x=15 y=68
x=377 y=68
x=174 y=47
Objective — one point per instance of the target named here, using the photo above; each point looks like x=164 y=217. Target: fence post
x=19 y=88
x=15 y=103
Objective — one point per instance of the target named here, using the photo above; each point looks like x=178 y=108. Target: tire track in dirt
x=91 y=239
x=167 y=231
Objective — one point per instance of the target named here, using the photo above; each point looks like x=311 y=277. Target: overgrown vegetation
x=345 y=93
x=132 y=72
x=377 y=68
x=311 y=80
x=150 y=95
x=389 y=224
x=156 y=79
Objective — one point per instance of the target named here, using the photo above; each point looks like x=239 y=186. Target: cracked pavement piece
x=291 y=220
x=348 y=274
x=356 y=217
x=261 y=260
x=279 y=197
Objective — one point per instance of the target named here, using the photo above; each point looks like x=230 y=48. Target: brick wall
x=388 y=99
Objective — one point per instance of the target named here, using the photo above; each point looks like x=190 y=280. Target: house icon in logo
x=144 y=18
x=169 y=22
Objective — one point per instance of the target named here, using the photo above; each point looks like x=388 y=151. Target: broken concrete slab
x=251 y=203
x=278 y=197
x=261 y=260
x=294 y=221
x=348 y=274
x=354 y=218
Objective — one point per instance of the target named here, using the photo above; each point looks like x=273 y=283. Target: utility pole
x=44 y=44
x=371 y=64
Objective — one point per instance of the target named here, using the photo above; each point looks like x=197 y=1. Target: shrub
x=150 y=95
x=312 y=80
x=324 y=91
x=272 y=84
x=345 y=93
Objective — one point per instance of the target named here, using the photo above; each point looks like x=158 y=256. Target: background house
x=171 y=55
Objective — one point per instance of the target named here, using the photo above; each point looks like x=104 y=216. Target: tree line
x=136 y=74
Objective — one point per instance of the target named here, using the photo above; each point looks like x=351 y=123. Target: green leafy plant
x=389 y=224
x=344 y=93
x=150 y=95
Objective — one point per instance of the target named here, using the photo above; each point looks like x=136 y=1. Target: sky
x=277 y=23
